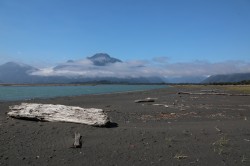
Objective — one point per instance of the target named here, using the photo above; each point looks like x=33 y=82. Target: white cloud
x=85 y=68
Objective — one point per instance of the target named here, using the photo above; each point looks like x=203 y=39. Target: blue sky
x=47 y=32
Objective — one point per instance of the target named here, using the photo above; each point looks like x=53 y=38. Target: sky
x=44 y=33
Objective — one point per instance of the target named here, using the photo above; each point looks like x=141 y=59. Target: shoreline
x=174 y=130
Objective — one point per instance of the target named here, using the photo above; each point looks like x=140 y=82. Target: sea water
x=12 y=93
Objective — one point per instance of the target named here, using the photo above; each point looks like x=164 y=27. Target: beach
x=176 y=129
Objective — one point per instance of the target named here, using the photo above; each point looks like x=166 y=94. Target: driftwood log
x=52 y=113
x=145 y=100
x=215 y=93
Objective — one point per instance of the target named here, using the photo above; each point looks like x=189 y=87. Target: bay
x=13 y=93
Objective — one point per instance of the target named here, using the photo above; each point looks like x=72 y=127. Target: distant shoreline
x=80 y=84
x=47 y=84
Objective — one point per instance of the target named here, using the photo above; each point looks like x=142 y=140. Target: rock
x=53 y=113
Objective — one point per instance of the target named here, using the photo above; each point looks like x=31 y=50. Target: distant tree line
x=244 y=82
x=115 y=82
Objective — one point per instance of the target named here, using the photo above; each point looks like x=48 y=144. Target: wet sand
x=173 y=130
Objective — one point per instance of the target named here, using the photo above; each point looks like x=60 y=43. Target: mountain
x=12 y=72
x=99 y=59
x=237 y=77
x=16 y=73
x=102 y=59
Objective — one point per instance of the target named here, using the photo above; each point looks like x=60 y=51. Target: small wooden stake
x=78 y=140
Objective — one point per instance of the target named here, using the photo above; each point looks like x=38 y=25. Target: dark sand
x=193 y=130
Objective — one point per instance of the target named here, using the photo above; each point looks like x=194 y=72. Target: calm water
x=10 y=93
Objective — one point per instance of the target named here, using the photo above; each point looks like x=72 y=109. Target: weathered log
x=52 y=113
x=164 y=105
x=78 y=140
x=145 y=100
x=224 y=94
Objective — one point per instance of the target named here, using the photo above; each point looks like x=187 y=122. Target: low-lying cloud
x=132 y=69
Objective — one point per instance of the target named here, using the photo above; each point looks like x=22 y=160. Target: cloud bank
x=158 y=67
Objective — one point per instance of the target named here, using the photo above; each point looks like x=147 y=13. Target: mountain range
x=18 y=73
x=220 y=78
